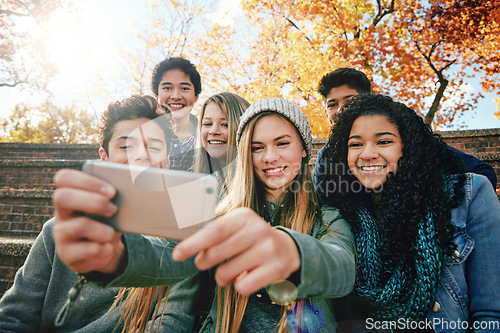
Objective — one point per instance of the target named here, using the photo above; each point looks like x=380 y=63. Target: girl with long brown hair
x=279 y=255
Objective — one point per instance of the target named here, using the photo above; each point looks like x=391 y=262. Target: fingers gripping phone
x=160 y=202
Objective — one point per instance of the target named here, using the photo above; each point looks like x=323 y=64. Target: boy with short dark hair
x=340 y=85
x=176 y=84
x=41 y=286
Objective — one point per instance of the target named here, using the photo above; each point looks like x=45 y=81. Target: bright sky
x=88 y=52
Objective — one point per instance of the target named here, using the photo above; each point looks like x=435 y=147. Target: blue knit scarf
x=409 y=291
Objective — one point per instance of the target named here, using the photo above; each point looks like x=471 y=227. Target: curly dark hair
x=429 y=177
x=181 y=64
x=130 y=108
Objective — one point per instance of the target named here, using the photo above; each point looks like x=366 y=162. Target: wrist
x=290 y=247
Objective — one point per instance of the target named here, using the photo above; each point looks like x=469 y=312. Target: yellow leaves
x=285 y=46
x=497 y=114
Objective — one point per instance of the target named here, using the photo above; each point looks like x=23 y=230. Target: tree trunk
x=437 y=99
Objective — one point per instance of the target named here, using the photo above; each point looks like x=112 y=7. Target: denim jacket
x=468 y=294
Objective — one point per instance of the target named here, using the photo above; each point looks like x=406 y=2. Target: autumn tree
x=497 y=114
x=420 y=52
x=23 y=60
x=172 y=27
x=413 y=50
x=48 y=123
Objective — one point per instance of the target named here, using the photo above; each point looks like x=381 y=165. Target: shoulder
x=480 y=201
x=321 y=153
x=329 y=214
x=48 y=227
x=332 y=220
x=477 y=184
x=193 y=119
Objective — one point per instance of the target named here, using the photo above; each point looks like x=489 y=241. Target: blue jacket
x=469 y=289
x=468 y=294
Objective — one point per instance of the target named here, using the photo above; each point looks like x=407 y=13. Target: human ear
x=102 y=153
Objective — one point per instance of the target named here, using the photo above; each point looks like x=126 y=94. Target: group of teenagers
x=392 y=231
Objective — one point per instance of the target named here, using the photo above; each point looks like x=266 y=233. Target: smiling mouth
x=372 y=167
x=176 y=106
x=274 y=171
x=216 y=142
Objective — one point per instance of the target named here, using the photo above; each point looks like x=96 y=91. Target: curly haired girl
x=426 y=232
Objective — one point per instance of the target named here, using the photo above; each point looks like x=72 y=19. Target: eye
x=354 y=145
x=384 y=142
x=332 y=105
x=256 y=149
x=283 y=143
x=206 y=124
x=126 y=147
x=185 y=89
x=155 y=149
x=167 y=88
x=225 y=125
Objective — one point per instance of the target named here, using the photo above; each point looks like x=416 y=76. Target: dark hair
x=420 y=185
x=133 y=107
x=350 y=77
x=176 y=63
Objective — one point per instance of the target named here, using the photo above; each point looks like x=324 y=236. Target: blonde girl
x=219 y=120
x=279 y=254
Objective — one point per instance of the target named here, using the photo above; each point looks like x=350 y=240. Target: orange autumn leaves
x=419 y=52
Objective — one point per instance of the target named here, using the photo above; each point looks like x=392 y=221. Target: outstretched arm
x=250 y=253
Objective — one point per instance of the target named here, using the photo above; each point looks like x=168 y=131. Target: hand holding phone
x=160 y=202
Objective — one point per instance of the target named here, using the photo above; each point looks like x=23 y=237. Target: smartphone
x=168 y=203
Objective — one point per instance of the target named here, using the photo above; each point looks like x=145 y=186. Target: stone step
x=23 y=212
x=43 y=151
x=13 y=252
x=33 y=174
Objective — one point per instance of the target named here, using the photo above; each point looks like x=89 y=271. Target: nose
x=141 y=154
x=369 y=153
x=215 y=129
x=335 y=114
x=332 y=114
x=270 y=155
x=176 y=94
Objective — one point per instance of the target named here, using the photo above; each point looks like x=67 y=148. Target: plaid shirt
x=182 y=153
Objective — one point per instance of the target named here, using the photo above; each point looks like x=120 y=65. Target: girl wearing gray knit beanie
x=278 y=255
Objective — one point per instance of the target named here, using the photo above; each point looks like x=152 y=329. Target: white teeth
x=215 y=142
x=176 y=105
x=371 y=168
x=274 y=170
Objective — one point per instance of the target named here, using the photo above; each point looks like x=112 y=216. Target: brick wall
x=483 y=144
x=47 y=151
x=26 y=172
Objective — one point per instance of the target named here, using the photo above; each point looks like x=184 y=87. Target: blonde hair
x=137 y=304
x=232 y=107
x=246 y=191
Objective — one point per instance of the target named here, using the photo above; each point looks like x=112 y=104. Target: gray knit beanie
x=285 y=108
